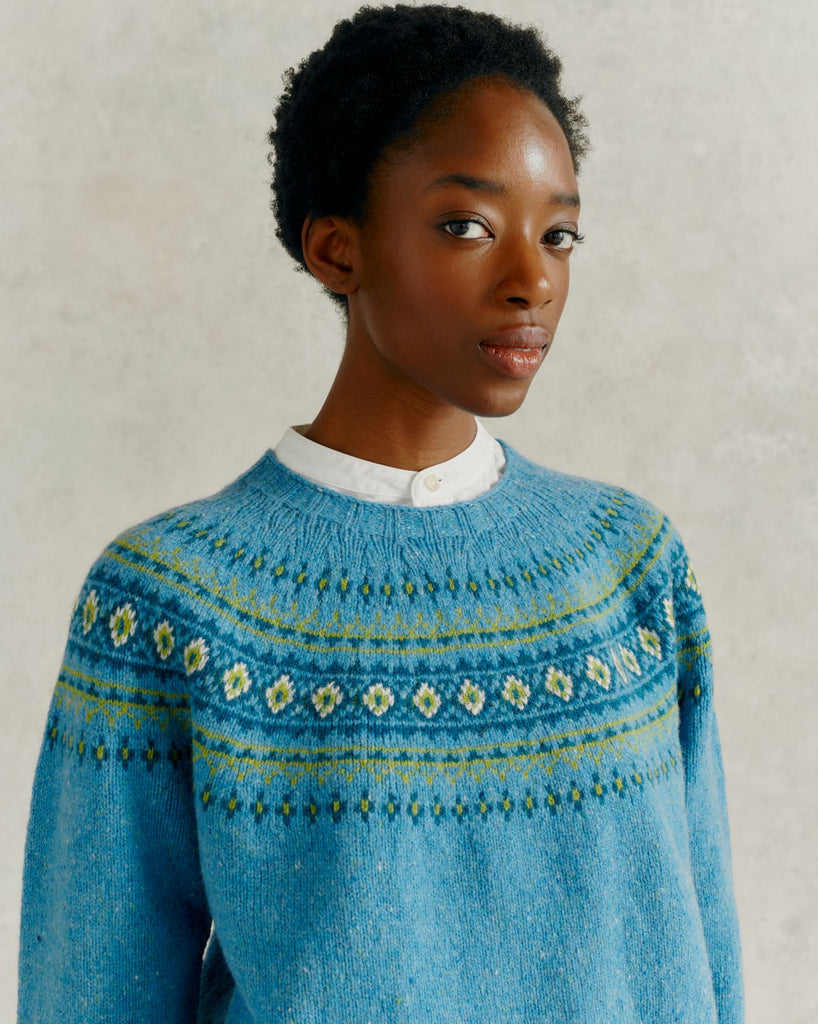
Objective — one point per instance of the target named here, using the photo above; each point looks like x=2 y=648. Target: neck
x=380 y=417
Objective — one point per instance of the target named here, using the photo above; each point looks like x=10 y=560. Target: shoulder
x=159 y=560
x=596 y=512
x=569 y=488
x=610 y=532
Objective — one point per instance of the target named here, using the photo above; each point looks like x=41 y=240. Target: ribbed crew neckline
x=490 y=510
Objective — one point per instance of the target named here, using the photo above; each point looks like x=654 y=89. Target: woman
x=399 y=724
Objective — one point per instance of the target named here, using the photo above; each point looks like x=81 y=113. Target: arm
x=114 y=915
x=705 y=795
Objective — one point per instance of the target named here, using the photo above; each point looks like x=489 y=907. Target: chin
x=499 y=403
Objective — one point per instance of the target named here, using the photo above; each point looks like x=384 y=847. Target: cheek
x=560 y=276
x=423 y=286
x=566 y=276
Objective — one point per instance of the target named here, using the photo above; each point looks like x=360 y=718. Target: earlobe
x=326 y=243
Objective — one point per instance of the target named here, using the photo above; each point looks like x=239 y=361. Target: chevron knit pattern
x=448 y=765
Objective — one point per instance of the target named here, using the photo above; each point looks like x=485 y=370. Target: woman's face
x=469 y=236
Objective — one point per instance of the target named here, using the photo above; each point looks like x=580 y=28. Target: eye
x=465 y=222
x=564 y=239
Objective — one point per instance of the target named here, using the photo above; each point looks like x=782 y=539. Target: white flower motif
x=629 y=660
x=623 y=675
x=195 y=655
x=598 y=672
x=426 y=700
x=236 y=681
x=650 y=642
x=122 y=624
x=163 y=638
x=280 y=694
x=326 y=699
x=690 y=579
x=89 y=611
x=516 y=692
x=559 y=683
x=671 y=619
x=471 y=697
x=378 y=698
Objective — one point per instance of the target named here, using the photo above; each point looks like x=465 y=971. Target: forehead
x=487 y=129
x=482 y=101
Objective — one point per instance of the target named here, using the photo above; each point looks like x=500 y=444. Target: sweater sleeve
x=705 y=793
x=114 y=916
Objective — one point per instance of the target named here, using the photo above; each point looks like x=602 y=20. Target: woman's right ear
x=328 y=246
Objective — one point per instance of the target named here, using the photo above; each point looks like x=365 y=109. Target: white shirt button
x=432 y=482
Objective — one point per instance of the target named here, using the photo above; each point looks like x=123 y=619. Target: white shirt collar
x=475 y=470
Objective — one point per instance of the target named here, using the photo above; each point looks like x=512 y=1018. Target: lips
x=523 y=336
x=515 y=352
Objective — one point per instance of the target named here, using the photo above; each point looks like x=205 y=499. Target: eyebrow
x=494 y=188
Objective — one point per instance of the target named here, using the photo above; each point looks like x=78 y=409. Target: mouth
x=515 y=361
x=521 y=338
x=512 y=348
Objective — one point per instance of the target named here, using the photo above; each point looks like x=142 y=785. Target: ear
x=329 y=247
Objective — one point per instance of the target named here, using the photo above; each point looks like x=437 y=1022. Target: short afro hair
x=366 y=89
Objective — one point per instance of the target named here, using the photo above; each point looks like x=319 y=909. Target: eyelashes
x=575 y=238
x=563 y=235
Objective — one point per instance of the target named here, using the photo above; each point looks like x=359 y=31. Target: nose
x=524 y=275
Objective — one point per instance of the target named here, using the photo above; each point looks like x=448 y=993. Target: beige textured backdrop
x=155 y=341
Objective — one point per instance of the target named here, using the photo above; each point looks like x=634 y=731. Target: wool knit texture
x=381 y=764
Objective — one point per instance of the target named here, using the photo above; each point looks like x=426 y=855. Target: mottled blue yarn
x=417 y=765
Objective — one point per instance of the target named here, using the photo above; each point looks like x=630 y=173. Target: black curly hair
x=366 y=89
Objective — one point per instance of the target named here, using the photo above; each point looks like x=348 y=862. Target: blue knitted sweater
x=450 y=765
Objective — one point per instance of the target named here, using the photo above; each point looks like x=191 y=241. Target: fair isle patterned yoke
x=444 y=764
